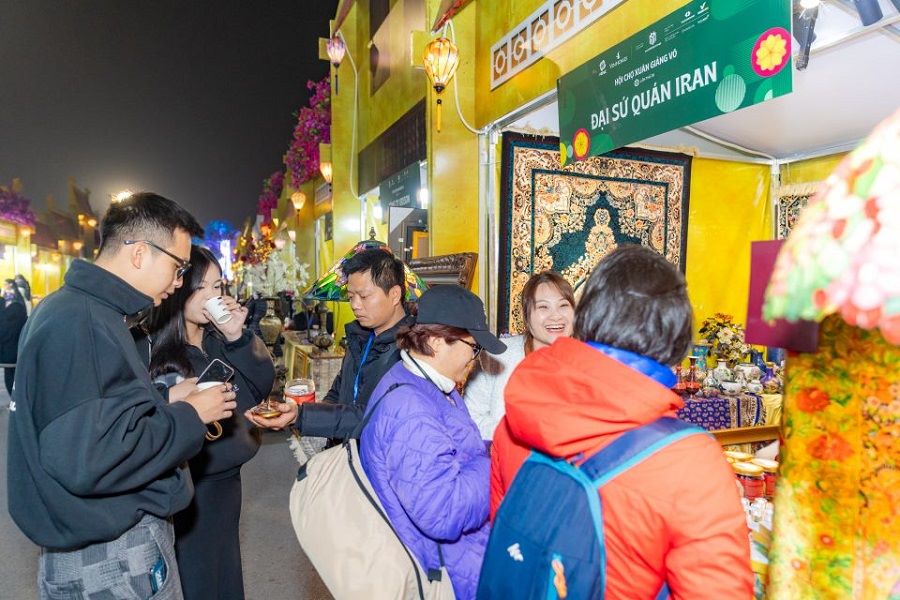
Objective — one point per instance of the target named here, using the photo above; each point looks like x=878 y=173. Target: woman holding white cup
x=190 y=329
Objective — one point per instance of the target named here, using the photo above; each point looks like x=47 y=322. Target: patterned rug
x=567 y=219
x=791 y=200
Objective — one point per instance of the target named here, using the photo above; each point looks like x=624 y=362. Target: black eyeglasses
x=183 y=265
x=476 y=348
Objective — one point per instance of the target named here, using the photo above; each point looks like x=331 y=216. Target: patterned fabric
x=842 y=256
x=333 y=285
x=567 y=219
x=746 y=410
x=838 y=492
x=117 y=569
x=792 y=199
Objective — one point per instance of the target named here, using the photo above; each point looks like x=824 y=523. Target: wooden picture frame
x=456 y=269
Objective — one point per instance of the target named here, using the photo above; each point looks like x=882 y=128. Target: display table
x=729 y=412
x=302 y=359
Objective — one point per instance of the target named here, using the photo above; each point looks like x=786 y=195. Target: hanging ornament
x=441 y=60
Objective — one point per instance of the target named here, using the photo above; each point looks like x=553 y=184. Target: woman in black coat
x=12 y=319
x=183 y=340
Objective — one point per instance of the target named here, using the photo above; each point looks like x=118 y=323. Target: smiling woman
x=548 y=305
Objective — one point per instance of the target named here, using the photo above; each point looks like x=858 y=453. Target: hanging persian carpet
x=791 y=200
x=567 y=218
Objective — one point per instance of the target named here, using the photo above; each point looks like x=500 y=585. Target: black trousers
x=207 y=543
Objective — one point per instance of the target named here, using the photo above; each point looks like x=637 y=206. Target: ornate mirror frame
x=449 y=268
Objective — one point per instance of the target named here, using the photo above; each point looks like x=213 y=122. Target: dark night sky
x=191 y=99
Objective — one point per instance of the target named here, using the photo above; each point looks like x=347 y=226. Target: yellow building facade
x=731 y=202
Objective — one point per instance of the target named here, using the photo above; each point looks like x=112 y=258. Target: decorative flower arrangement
x=725 y=337
x=268 y=199
x=313 y=127
x=275 y=275
x=841 y=257
x=15 y=207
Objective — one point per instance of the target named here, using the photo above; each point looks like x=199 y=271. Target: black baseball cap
x=458 y=307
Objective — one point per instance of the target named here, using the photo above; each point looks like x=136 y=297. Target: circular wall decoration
x=771 y=52
x=581 y=143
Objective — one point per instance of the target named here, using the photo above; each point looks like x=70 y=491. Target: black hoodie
x=339 y=412
x=254 y=375
x=92 y=445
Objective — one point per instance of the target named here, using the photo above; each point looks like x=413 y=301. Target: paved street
x=274 y=566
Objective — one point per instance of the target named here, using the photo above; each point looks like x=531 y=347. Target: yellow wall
x=453 y=152
x=730 y=206
x=809 y=171
x=405 y=86
x=345 y=203
x=496 y=18
x=373 y=203
x=305 y=244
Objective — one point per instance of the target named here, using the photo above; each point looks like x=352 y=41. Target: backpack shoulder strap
x=365 y=420
x=635 y=446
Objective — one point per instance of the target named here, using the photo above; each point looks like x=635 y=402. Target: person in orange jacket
x=675 y=518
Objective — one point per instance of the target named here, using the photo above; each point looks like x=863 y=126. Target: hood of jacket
x=571 y=398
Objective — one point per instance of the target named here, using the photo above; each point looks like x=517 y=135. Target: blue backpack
x=547 y=538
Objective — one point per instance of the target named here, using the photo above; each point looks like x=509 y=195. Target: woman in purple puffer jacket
x=422 y=451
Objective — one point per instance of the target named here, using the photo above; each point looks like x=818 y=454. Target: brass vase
x=270 y=326
x=323 y=341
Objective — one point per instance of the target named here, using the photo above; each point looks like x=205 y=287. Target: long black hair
x=166 y=323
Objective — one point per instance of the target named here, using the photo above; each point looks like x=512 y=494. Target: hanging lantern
x=336 y=48
x=298 y=199
x=325 y=167
x=441 y=60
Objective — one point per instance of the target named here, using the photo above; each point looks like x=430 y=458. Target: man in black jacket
x=376 y=289
x=96 y=456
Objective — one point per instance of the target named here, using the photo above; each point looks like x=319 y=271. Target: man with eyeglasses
x=96 y=456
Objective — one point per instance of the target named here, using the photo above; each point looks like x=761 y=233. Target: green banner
x=707 y=58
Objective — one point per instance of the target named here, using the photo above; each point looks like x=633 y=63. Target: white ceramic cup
x=207 y=384
x=216 y=308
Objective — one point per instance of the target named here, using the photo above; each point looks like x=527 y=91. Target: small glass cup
x=300 y=391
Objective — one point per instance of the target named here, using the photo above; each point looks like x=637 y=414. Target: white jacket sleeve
x=481 y=402
x=484 y=391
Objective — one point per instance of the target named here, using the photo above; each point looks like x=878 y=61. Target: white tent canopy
x=851 y=84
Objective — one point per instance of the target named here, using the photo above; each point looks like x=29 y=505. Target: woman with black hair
x=25 y=289
x=183 y=339
x=12 y=319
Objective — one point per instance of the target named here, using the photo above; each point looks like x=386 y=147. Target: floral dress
x=837 y=531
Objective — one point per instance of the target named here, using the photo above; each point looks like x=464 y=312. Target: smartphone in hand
x=216 y=371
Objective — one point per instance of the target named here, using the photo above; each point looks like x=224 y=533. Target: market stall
x=699 y=195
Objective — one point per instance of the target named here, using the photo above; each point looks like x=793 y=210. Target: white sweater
x=484 y=390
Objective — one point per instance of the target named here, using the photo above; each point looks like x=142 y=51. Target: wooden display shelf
x=747 y=435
